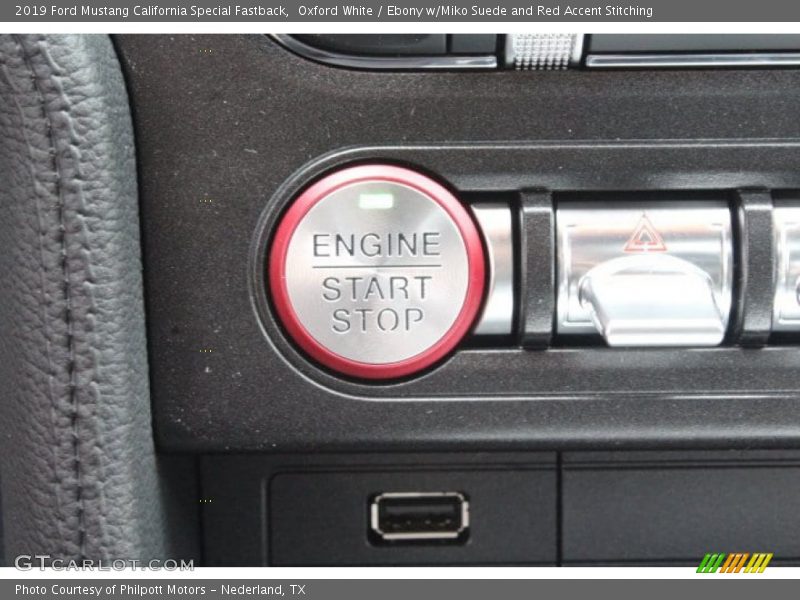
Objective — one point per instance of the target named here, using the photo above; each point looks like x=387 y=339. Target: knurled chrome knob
x=543 y=51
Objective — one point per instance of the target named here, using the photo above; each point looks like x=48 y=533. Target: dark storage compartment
x=674 y=508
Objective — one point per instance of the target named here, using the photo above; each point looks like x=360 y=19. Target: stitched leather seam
x=71 y=342
x=41 y=231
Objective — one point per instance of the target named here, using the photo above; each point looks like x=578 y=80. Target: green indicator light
x=376 y=201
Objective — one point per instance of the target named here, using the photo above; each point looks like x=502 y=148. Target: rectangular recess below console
x=321 y=519
x=673 y=507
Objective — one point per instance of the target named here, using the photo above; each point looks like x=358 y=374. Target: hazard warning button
x=645 y=238
x=645 y=274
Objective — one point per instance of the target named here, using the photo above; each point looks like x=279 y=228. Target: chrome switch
x=645 y=274
x=786 y=227
x=495 y=223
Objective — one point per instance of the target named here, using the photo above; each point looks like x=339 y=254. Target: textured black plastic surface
x=536 y=268
x=222 y=149
x=322 y=518
x=756 y=285
x=473 y=43
x=316 y=507
x=2 y=545
x=379 y=44
x=646 y=507
x=664 y=507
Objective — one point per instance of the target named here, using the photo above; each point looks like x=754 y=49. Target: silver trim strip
x=351 y=61
x=786 y=232
x=496 y=226
x=686 y=61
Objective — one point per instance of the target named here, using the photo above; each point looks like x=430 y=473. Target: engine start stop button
x=377 y=271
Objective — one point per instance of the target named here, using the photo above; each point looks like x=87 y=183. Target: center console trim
x=487 y=397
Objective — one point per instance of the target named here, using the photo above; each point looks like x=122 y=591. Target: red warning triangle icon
x=645 y=238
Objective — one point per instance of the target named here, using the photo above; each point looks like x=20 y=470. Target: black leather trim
x=78 y=464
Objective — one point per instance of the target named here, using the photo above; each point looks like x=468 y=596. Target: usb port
x=419 y=517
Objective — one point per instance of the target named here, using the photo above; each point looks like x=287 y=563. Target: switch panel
x=380 y=272
x=786 y=227
x=645 y=274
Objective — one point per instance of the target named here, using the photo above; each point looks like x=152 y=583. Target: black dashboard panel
x=529 y=508
x=221 y=151
x=631 y=229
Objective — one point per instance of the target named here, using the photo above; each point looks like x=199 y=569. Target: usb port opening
x=419 y=517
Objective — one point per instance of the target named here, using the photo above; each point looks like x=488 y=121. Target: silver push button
x=377 y=271
x=786 y=227
x=645 y=274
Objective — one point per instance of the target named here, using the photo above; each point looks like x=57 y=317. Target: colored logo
x=735 y=563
